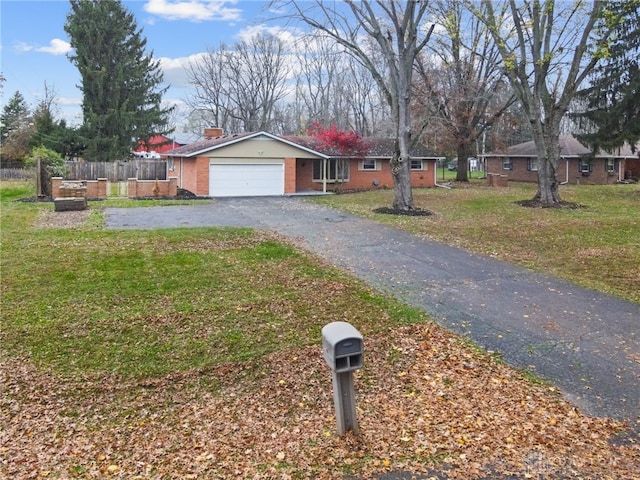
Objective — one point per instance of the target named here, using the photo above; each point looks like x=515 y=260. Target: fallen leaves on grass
x=426 y=401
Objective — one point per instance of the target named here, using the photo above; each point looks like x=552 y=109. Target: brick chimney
x=212 y=132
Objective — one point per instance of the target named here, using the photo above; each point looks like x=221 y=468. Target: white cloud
x=22 y=47
x=55 y=47
x=174 y=70
x=194 y=10
x=287 y=35
x=75 y=101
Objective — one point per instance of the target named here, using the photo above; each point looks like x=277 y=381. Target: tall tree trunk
x=401 y=170
x=403 y=195
x=547 y=141
x=463 y=161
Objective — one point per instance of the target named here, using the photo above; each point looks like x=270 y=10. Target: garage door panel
x=235 y=180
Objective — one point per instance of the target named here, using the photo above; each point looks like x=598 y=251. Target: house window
x=369 y=164
x=585 y=165
x=417 y=165
x=532 y=164
x=610 y=165
x=507 y=164
x=337 y=170
x=170 y=164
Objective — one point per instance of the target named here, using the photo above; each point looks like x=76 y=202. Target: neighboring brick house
x=577 y=164
x=259 y=163
x=158 y=144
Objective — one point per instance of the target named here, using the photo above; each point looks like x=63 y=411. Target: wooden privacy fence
x=119 y=171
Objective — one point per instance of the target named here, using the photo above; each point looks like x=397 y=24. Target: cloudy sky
x=34 y=44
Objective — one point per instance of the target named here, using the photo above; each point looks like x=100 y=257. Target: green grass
x=596 y=246
x=147 y=303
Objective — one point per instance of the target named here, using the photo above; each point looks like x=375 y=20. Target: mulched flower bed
x=414 y=212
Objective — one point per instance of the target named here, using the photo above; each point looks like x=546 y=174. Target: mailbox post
x=343 y=350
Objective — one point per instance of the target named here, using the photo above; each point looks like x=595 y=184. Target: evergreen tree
x=15 y=115
x=612 y=100
x=15 y=129
x=120 y=81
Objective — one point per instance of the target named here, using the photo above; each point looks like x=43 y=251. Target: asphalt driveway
x=584 y=342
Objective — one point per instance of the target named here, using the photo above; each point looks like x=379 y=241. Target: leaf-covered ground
x=427 y=400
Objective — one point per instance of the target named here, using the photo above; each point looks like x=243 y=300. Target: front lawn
x=195 y=353
x=596 y=245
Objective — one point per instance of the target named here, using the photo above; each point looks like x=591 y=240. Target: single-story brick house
x=259 y=163
x=578 y=164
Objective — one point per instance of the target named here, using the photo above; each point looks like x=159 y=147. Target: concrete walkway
x=584 y=342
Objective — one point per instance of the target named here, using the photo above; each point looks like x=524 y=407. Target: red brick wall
x=518 y=173
x=153 y=188
x=202 y=176
x=96 y=189
x=597 y=176
x=304 y=175
x=632 y=167
x=363 y=179
x=290 y=169
x=193 y=174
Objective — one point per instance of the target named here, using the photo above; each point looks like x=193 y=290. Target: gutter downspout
x=566 y=171
x=621 y=165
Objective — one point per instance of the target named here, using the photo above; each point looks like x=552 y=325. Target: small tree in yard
x=347 y=144
x=339 y=143
x=15 y=129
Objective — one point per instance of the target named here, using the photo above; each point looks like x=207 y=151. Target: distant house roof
x=570 y=146
x=162 y=144
x=184 y=138
x=378 y=148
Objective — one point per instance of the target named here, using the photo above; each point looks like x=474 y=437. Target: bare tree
x=463 y=88
x=209 y=102
x=398 y=31
x=548 y=49
x=239 y=88
x=257 y=74
x=334 y=88
x=317 y=79
x=366 y=107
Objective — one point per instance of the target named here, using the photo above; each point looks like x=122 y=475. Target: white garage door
x=240 y=180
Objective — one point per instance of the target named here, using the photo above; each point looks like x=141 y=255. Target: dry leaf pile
x=426 y=401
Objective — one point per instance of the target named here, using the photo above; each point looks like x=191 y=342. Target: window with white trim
x=337 y=170
x=417 y=165
x=507 y=163
x=369 y=164
x=610 y=165
x=532 y=164
x=585 y=165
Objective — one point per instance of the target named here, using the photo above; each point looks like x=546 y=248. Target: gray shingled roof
x=205 y=144
x=378 y=148
x=570 y=146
